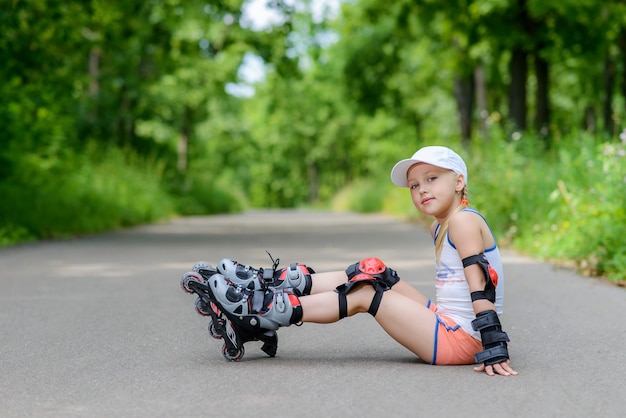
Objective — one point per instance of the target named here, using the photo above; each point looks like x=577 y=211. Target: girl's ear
x=460 y=183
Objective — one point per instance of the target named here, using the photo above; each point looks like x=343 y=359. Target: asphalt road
x=98 y=327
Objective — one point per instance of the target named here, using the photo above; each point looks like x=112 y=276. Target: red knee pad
x=372 y=265
x=372 y=268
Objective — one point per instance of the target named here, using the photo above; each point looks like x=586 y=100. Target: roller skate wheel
x=213 y=331
x=238 y=356
x=201 y=265
x=188 y=277
x=201 y=308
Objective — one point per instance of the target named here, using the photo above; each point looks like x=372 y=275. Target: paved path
x=98 y=327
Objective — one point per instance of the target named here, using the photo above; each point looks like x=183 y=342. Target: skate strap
x=275 y=263
x=267 y=276
x=343 y=290
x=258 y=300
x=343 y=305
x=378 y=297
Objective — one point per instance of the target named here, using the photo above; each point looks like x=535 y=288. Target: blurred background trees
x=117 y=112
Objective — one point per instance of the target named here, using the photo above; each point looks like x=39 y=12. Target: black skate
x=225 y=326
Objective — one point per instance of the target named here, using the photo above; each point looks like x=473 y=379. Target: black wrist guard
x=494 y=339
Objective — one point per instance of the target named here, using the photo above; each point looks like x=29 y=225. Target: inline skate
x=295 y=276
x=241 y=314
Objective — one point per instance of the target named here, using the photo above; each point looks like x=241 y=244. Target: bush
x=203 y=195
x=360 y=196
x=96 y=191
x=566 y=205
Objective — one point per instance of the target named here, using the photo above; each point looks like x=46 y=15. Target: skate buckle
x=293 y=271
x=280 y=302
x=268 y=276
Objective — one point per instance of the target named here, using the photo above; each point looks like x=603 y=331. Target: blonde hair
x=443 y=229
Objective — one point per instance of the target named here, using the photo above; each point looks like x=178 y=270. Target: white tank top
x=453 y=294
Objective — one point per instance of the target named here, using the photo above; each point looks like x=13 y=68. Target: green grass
x=92 y=192
x=100 y=190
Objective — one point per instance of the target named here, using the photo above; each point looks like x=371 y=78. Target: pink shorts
x=452 y=344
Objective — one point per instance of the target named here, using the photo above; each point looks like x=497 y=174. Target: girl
x=461 y=328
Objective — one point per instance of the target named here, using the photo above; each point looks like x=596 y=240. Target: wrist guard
x=493 y=338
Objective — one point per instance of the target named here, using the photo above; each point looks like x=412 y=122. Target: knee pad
x=371 y=271
x=372 y=268
x=491 y=277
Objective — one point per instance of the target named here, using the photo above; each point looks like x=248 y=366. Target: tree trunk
x=607 y=105
x=481 y=100
x=314 y=183
x=589 y=123
x=463 y=91
x=622 y=50
x=518 y=69
x=94 y=70
x=542 y=116
x=183 y=141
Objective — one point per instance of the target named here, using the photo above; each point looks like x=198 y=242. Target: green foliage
x=205 y=192
x=362 y=196
x=96 y=191
x=150 y=83
x=566 y=206
x=583 y=216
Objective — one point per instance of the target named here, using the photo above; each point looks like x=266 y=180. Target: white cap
x=435 y=155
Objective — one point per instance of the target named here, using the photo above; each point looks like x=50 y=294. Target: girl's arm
x=466 y=231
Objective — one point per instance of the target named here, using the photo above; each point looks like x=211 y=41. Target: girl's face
x=434 y=189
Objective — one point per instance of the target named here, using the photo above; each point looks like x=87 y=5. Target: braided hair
x=443 y=229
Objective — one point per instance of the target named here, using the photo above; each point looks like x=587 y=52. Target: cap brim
x=400 y=170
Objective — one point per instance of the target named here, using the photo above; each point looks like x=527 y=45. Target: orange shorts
x=452 y=344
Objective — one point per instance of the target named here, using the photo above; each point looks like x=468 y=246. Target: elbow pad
x=491 y=277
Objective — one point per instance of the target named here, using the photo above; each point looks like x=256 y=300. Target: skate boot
x=220 y=325
x=255 y=311
x=296 y=276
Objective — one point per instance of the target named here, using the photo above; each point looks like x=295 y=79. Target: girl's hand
x=503 y=369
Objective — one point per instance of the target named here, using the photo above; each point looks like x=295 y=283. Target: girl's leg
x=328 y=281
x=409 y=291
x=406 y=320
x=325 y=282
x=409 y=323
x=249 y=277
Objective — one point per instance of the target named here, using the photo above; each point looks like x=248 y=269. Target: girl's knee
x=360 y=299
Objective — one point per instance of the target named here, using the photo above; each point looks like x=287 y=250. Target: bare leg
x=410 y=292
x=407 y=321
x=326 y=282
